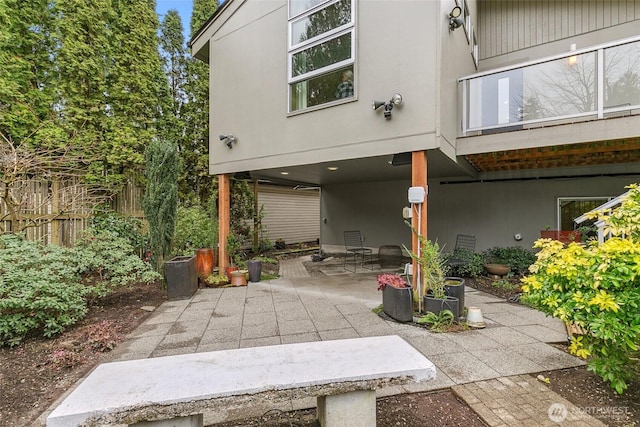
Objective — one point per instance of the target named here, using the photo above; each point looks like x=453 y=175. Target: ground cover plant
x=597 y=288
x=45 y=288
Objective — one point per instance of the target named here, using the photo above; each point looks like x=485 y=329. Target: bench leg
x=353 y=409
x=190 y=421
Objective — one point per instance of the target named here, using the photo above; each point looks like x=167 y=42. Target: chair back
x=465 y=241
x=353 y=239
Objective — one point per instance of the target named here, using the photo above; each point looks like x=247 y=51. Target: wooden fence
x=58 y=211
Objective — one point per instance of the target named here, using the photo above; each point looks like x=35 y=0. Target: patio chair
x=354 y=250
x=463 y=242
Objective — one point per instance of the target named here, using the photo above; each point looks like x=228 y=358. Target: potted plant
x=397 y=300
x=216 y=280
x=233 y=246
x=432 y=287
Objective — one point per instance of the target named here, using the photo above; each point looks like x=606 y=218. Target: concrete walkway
x=485 y=367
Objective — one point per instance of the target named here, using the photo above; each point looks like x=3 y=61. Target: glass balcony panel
x=622 y=75
x=559 y=88
x=563 y=87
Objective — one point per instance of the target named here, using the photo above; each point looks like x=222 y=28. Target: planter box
x=397 y=303
x=181 y=275
x=565 y=236
x=255 y=270
x=436 y=305
x=454 y=287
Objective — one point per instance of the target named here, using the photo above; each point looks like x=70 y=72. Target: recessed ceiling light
x=332 y=168
x=284 y=173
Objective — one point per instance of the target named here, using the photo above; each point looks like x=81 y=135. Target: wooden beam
x=224 y=217
x=418 y=179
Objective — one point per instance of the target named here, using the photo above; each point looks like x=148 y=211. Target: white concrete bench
x=342 y=374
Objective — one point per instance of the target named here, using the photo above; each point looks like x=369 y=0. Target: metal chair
x=353 y=247
x=464 y=242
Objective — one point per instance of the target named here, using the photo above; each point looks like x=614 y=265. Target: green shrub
x=195 y=229
x=109 y=262
x=44 y=289
x=473 y=266
x=596 y=287
x=125 y=226
x=38 y=291
x=517 y=258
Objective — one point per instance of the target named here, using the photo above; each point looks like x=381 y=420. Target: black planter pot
x=454 y=287
x=397 y=303
x=436 y=305
x=255 y=270
x=181 y=274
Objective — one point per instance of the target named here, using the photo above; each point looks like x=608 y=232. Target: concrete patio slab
x=307 y=309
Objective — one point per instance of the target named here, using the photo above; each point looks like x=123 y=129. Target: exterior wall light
x=228 y=139
x=454 y=18
x=396 y=99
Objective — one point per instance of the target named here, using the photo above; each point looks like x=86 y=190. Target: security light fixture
x=396 y=99
x=228 y=139
x=455 y=21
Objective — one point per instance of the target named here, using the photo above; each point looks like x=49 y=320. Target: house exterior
x=515 y=116
x=284 y=206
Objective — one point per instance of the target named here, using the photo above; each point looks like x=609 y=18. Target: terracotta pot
x=230 y=269
x=497 y=269
x=239 y=278
x=205 y=261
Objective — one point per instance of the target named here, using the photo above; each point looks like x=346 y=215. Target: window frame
x=561 y=201
x=334 y=33
x=327 y=68
x=328 y=34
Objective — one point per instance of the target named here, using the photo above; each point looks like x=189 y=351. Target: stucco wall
x=248 y=63
x=493 y=212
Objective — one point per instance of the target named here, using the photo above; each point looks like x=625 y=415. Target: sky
x=184 y=8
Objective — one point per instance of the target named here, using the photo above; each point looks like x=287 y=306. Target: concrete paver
x=520 y=400
x=487 y=368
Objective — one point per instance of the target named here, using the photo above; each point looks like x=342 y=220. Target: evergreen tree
x=202 y=11
x=138 y=99
x=84 y=57
x=27 y=77
x=174 y=60
x=160 y=202
x=196 y=185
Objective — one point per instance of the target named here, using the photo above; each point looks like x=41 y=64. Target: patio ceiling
x=621 y=151
x=367 y=169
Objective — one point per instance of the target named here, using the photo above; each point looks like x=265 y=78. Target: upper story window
x=321 y=52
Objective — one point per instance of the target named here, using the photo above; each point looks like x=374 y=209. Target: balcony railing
x=595 y=82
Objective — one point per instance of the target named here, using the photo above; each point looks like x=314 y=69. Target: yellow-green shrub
x=596 y=287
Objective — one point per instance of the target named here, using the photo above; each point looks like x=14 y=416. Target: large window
x=321 y=52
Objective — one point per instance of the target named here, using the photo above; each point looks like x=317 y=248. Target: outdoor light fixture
x=454 y=18
x=228 y=139
x=388 y=105
x=573 y=59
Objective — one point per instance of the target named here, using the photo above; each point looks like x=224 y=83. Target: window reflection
x=320 y=22
x=622 y=75
x=320 y=90
x=321 y=55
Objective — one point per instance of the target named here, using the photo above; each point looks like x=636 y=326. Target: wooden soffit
x=621 y=151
